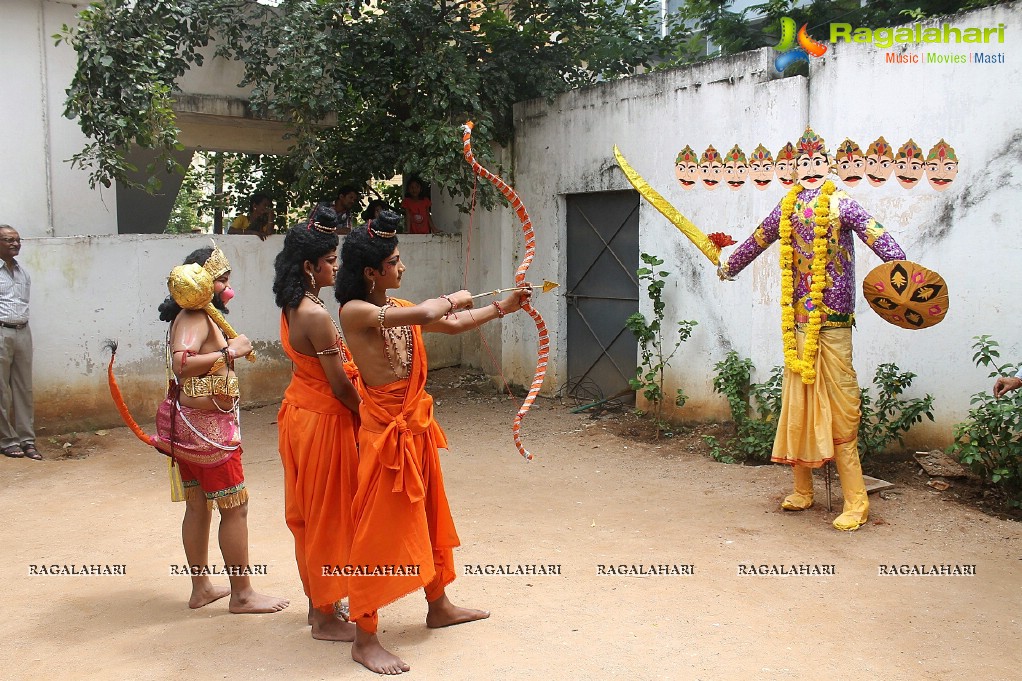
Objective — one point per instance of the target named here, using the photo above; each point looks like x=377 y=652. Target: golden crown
x=810 y=143
x=910 y=150
x=787 y=152
x=711 y=155
x=686 y=155
x=761 y=153
x=217 y=264
x=942 y=151
x=848 y=149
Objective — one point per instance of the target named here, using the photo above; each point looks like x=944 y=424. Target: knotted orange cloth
x=403 y=523
x=318 y=442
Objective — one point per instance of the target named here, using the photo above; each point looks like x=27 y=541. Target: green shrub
x=889 y=416
x=990 y=442
x=754 y=410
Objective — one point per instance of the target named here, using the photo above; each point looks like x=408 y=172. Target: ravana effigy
x=815 y=223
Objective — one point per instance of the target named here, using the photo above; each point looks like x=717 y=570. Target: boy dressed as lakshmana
x=404 y=533
x=317 y=422
x=819 y=418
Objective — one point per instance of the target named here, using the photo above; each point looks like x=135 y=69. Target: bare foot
x=327 y=627
x=368 y=652
x=206 y=595
x=443 y=613
x=340 y=610
x=252 y=603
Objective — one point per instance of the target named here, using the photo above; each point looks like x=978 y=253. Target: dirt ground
x=593 y=497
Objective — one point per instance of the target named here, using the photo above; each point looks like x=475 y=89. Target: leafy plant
x=990 y=441
x=890 y=416
x=754 y=407
x=184 y=219
x=649 y=375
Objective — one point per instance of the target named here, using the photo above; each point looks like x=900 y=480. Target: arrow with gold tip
x=546 y=287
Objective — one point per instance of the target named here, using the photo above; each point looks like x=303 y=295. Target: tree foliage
x=184 y=219
x=371 y=90
x=379 y=88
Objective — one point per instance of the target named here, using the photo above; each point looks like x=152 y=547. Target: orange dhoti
x=404 y=533
x=317 y=438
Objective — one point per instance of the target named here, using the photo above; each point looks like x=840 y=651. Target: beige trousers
x=17 y=412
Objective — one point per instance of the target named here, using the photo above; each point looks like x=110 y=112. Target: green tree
x=183 y=217
x=372 y=90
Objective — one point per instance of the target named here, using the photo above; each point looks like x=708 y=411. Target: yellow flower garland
x=806 y=366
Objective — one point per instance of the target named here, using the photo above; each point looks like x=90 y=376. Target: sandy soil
x=591 y=498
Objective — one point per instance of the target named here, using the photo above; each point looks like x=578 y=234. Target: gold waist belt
x=207 y=386
x=829 y=321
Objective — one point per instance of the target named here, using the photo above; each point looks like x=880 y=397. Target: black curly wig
x=169 y=309
x=302 y=242
x=362 y=248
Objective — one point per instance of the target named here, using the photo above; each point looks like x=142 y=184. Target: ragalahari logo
x=791 y=53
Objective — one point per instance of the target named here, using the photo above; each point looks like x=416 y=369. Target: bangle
x=500 y=312
x=227 y=353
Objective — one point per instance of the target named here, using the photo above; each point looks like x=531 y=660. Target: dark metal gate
x=603 y=290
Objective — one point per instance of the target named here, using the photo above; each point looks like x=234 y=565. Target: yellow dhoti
x=819 y=422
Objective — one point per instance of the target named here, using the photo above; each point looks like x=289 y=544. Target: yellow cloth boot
x=849 y=470
x=802 y=497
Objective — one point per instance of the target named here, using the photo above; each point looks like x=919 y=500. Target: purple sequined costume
x=839 y=294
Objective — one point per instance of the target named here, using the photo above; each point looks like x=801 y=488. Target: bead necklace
x=393 y=337
x=345 y=356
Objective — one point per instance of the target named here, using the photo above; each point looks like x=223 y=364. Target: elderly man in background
x=17 y=433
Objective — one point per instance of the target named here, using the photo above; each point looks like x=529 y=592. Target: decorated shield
x=906 y=294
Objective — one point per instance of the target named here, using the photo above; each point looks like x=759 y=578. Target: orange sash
x=404 y=532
